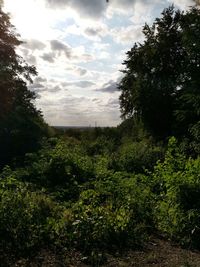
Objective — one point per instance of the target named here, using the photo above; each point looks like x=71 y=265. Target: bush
x=137 y=157
x=101 y=146
x=113 y=214
x=177 y=183
x=28 y=219
x=61 y=168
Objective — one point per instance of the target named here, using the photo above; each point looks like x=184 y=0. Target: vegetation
x=161 y=81
x=21 y=125
x=100 y=191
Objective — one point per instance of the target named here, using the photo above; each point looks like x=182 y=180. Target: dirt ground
x=157 y=253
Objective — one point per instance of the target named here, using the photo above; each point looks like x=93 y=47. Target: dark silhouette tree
x=161 y=83
x=21 y=125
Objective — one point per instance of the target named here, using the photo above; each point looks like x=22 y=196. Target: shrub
x=61 y=169
x=113 y=214
x=137 y=157
x=101 y=146
x=177 y=211
x=28 y=219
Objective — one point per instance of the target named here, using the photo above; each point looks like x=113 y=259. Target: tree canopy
x=21 y=124
x=161 y=83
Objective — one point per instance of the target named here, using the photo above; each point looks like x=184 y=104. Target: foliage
x=136 y=156
x=102 y=209
x=102 y=145
x=112 y=214
x=161 y=78
x=21 y=125
x=132 y=128
x=28 y=219
x=61 y=166
x=177 y=181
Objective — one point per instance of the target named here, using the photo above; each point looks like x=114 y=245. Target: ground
x=157 y=253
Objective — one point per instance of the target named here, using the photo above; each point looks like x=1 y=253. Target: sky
x=78 y=47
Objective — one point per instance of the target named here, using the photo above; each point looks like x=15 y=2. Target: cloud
x=97 y=100
x=124 y=5
x=54 y=89
x=81 y=71
x=28 y=56
x=49 y=57
x=88 y=8
x=61 y=47
x=109 y=87
x=96 y=31
x=82 y=84
x=125 y=35
x=59 y=51
x=40 y=86
x=113 y=103
x=57 y=3
x=86 y=57
x=36 y=87
x=31 y=59
x=74 y=110
x=58 y=46
x=76 y=70
x=182 y=4
x=40 y=79
x=34 y=44
x=85 y=8
x=91 y=31
x=95 y=8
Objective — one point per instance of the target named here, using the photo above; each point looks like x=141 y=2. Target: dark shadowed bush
x=136 y=156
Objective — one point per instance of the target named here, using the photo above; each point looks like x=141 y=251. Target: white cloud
x=182 y=4
x=82 y=84
x=34 y=44
x=109 y=87
x=128 y=35
x=71 y=110
x=81 y=71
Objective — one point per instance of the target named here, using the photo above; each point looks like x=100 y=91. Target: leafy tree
x=21 y=125
x=161 y=79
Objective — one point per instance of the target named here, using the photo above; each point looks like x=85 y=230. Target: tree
x=161 y=83
x=21 y=125
x=12 y=66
